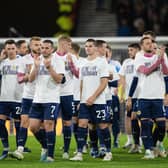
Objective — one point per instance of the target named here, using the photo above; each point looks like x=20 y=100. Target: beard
x=148 y=51
x=36 y=52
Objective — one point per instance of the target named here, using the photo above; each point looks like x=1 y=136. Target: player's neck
x=77 y=56
x=60 y=52
x=148 y=54
x=91 y=57
x=12 y=57
x=35 y=54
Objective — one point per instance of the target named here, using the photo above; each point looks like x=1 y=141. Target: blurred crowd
x=136 y=16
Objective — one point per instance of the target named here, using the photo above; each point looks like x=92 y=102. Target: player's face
x=11 y=50
x=108 y=54
x=67 y=46
x=35 y=46
x=23 y=50
x=46 y=49
x=102 y=49
x=90 y=48
x=147 y=45
x=132 y=52
x=155 y=47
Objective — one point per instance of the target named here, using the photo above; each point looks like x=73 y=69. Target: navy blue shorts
x=45 y=111
x=150 y=108
x=10 y=109
x=66 y=105
x=96 y=113
x=166 y=111
x=26 y=106
x=75 y=110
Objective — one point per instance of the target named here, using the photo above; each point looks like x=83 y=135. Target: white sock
x=129 y=139
x=20 y=149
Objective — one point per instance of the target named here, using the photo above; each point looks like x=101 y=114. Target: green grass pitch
x=121 y=158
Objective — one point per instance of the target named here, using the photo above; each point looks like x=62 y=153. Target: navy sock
x=155 y=135
x=135 y=131
x=116 y=117
x=22 y=136
x=115 y=130
x=101 y=138
x=67 y=137
x=17 y=128
x=146 y=133
x=75 y=128
x=81 y=134
x=41 y=137
x=4 y=134
x=162 y=129
x=86 y=136
x=93 y=139
x=105 y=133
x=50 y=136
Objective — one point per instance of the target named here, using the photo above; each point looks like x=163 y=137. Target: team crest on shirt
x=147 y=64
x=130 y=69
x=10 y=69
x=138 y=112
x=43 y=70
x=89 y=71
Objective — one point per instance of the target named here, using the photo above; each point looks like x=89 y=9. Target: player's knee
x=83 y=124
x=161 y=124
x=67 y=123
x=34 y=128
x=103 y=125
x=24 y=123
x=49 y=125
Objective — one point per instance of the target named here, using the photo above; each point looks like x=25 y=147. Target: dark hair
x=90 y=40
x=166 y=45
x=75 y=47
x=144 y=38
x=49 y=41
x=109 y=48
x=9 y=42
x=99 y=43
x=20 y=42
x=134 y=45
x=151 y=33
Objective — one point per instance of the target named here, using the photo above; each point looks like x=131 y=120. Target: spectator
x=124 y=29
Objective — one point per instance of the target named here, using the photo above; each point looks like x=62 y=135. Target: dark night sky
x=28 y=17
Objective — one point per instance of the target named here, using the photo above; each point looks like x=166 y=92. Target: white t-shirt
x=46 y=89
x=11 y=90
x=110 y=90
x=67 y=88
x=150 y=86
x=76 y=94
x=116 y=64
x=128 y=71
x=29 y=87
x=91 y=73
